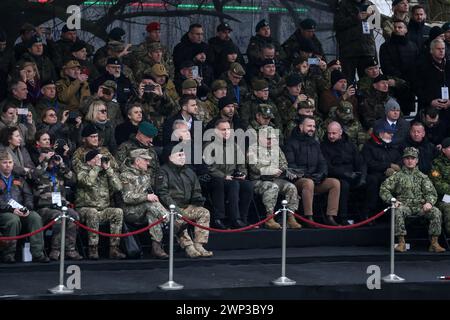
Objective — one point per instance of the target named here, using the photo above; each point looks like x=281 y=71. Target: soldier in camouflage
x=262 y=37
x=306 y=108
x=141 y=205
x=266 y=164
x=415 y=196
x=97 y=181
x=440 y=176
x=51 y=176
x=372 y=107
x=218 y=90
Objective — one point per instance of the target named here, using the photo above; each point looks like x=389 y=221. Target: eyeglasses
x=51 y=115
x=102 y=111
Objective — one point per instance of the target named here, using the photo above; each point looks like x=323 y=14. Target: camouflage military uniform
x=413 y=189
x=372 y=107
x=211 y=105
x=137 y=209
x=43 y=188
x=262 y=164
x=123 y=153
x=286 y=108
x=276 y=85
x=440 y=176
x=78 y=157
x=143 y=48
x=248 y=110
x=95 y=186
x=387 y=24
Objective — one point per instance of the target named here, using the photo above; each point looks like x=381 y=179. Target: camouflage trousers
x=445 y=209
x=146 y=213
x=12 y=225
x=402 y=212
x=48 y=214
x=94 y=217
x=199 y=215
x=269 y=191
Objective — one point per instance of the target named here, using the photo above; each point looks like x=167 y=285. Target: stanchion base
x=171 y=285
x=61 y=289
x=283 y=281
x=392 y=278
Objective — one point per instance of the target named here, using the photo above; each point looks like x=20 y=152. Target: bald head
x=334 y=131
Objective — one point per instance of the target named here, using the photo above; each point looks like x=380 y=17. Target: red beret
x=152 y=26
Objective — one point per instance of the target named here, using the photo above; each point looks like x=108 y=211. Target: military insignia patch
x=435 y=173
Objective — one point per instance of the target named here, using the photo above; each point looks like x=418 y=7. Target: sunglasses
x=102 y=111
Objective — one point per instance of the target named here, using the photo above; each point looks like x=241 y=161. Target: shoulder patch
x=435 y=174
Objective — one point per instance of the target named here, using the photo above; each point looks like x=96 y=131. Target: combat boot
x=73 y=255
x=272 y=224
x=93 y=253
x=54 y=255
x=205 y=253
x=158 y=251
x=292 y=223
x=115 y=253
x=191 y=252
x=434 y=245
x=401 y=246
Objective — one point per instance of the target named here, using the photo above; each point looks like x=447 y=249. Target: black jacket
x=303 y=152
x=379 y=155
x=124 y=87
x=124 y=130
x=342 y=158
x=398 y=58
x=185 y=50
x=427 y=153
x=417 y=33
x=402 y=127
x=431 y=78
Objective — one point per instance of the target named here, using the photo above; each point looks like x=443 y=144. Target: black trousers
x=351 y=65
x=372 y=194
x=232 y=196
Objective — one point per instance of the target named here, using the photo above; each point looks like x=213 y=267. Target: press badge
x=444 y=93
x=365 y=27
x=14 y=204
x=56 y=198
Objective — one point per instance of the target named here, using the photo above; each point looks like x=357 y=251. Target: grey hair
x=179 y=122
x=435 y=42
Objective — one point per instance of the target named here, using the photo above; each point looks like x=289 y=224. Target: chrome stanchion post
x=283 y=280
x=171 y=285
x=392 y=277
x=61 y=288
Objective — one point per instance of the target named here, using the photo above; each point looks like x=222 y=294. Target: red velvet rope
x=51 y=223
x=121 y=235
x=232 y=230
x=352 y=226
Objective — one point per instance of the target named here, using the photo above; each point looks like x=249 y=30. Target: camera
x=237 y=174
x=72 y=116
x=104 y=159
x=59 y=146
x=313 y=61
x=55 y=158
x=148 y=88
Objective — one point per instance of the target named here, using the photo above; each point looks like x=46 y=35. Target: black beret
x=224 y=101
x=381 y=77
x=293 y=79
x=91 y=155
x=89 y=130
x=77 y=46
x=308 y=24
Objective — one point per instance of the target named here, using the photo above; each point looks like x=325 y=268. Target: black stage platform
x=325 y=263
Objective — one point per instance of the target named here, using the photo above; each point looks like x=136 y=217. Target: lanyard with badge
x=56 y=196
x=8 y=184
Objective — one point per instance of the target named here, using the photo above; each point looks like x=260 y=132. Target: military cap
x=383 y=127
x=224 y=27
x=345 y=107
x=47 y=82
x=187 y=64
x=218 y=84
x=225 y=101
x=308 y=24
x=110 y=84
x=445 y=143
x=77 y=46
x=4 y=155
x=410 y=152
x=153 y=26
x=27 y=27
x=65 y=29
x=446 y=27
x=154 y=46
x=259 y=84
x=237 y=68
x=263 y=23
x=199 y=48
x=116 y=34
x=390 y=105
x=294 y=79
x=396 y=2
x=334 y=63
x=435 y=32
x=336 y=76
x=89 y=130
x=113 y=61
x=370 y=62
x=381 y=77
x=147 y=129
x=306 y=105
x=189 y=83
x=116 y=46
x=91 y=155
x=33 y=40
x=71 y=64
x=140 y=153
x=266 y=110
x=264 y=62
x=158 y=70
